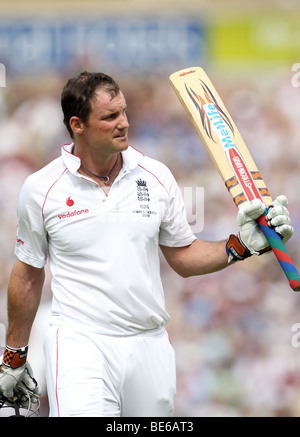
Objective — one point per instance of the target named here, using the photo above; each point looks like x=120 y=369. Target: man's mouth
x=121 y=135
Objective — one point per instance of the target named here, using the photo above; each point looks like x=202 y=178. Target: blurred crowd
x=233 y=330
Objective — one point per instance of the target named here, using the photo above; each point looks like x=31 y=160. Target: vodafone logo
x=69 y=201
x=73 y=213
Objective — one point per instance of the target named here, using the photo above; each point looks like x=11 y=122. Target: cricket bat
x=229 y=153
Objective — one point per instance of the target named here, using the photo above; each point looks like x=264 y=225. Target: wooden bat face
x=220 y=136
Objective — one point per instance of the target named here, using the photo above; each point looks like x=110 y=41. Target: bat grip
x=280 y=252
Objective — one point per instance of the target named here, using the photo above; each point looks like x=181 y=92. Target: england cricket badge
x=142 y=191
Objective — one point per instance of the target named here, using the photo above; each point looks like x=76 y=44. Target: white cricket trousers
x=96 y=375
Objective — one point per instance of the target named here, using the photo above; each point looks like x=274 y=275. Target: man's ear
x=76 y=125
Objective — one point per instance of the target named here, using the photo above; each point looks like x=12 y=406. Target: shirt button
x=104 y=199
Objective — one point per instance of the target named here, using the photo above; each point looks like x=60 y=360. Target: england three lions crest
x=142 y=191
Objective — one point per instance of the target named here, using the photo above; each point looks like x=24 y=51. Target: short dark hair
x=78 y=92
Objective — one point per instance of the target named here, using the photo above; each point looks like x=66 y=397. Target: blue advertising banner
x=32 y=45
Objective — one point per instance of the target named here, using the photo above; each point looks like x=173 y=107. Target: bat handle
x=280 y=252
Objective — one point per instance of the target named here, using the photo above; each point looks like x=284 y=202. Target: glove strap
x=14 y=358
x=236 y=250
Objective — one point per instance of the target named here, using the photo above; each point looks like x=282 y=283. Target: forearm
x=200 y=258
x=24 y=294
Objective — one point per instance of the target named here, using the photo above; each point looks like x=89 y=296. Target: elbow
x=183 y=272
x=185 y=276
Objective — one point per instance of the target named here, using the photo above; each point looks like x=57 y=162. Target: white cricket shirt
x=103 y=249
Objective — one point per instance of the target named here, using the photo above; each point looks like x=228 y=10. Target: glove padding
x=28 y=385
x=16 y=376
x=278 y=218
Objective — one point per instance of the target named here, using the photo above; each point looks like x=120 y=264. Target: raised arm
x=199 y=258
x=203 y=257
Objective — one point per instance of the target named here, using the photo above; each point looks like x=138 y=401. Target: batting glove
x=16 y=375
x=251 y=240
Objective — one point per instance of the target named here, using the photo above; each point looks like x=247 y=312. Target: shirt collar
x=131 y=158
x=72 y=162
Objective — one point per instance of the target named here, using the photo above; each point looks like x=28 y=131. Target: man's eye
x=110 y=117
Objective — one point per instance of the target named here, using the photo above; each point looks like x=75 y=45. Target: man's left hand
x=277 y=217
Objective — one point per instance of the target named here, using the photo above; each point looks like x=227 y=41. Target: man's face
x=107 y=126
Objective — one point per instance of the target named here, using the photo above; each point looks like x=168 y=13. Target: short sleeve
x=175 y=230
x=31 y=245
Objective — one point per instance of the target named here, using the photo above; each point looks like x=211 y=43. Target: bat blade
x=228 y=152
